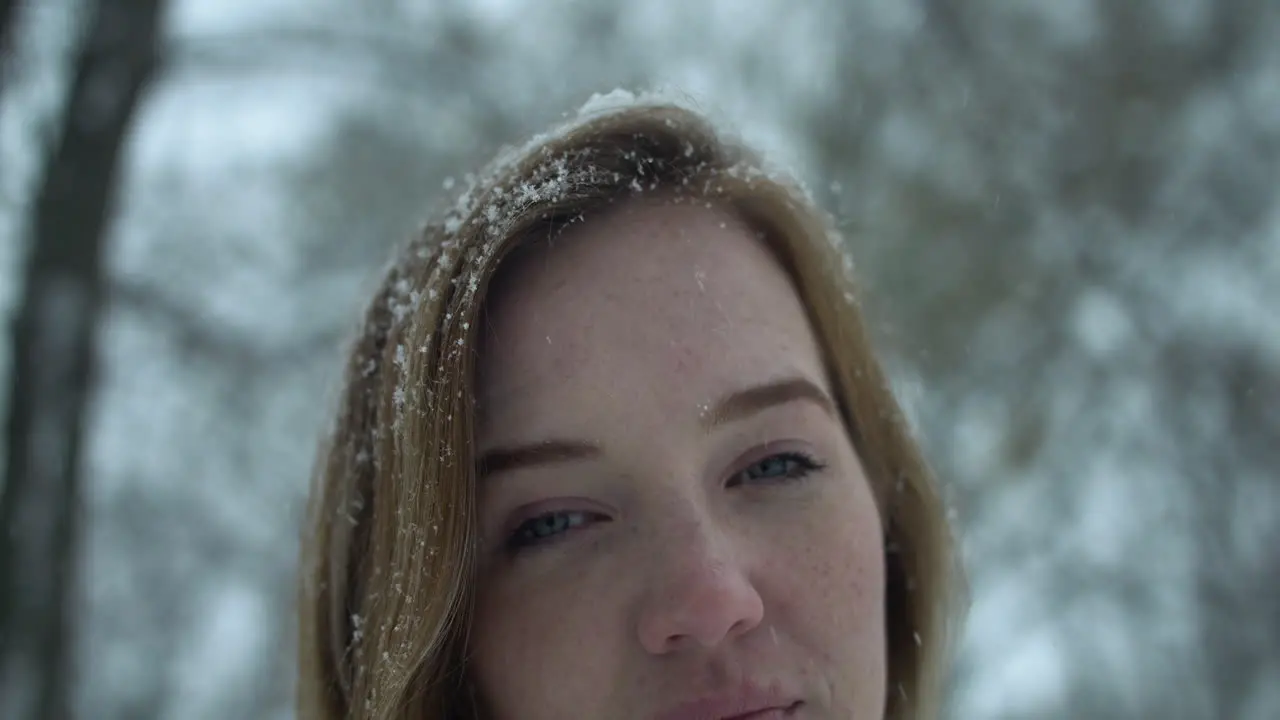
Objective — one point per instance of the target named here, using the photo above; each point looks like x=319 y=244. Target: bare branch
x=194 y=336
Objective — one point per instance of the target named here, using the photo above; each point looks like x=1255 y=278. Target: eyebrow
x=548 y=452
x=734 y=407
x=754 y=400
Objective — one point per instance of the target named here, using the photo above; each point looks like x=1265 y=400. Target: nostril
x=704 y=607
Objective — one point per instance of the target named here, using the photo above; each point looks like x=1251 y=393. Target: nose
x=701 y=594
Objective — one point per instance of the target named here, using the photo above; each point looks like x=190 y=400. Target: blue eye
x=781 y=468
x=547 y=527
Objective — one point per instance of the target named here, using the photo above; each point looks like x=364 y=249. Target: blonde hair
x=388 y=553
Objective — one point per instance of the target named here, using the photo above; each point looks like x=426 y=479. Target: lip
x=749 y=703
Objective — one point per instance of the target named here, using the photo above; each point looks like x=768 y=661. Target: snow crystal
x=835 y=239
x=619 y=99
x=613 y=100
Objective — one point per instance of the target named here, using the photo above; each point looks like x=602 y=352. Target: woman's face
x=674 y=523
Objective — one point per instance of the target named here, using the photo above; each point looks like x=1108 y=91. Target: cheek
x=531 y=651
x=838 y=585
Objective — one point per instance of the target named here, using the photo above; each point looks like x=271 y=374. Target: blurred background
x=1066 y=216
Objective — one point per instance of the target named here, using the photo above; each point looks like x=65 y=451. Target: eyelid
x=791 y=445
x=516 y=540
x=550 y=506
x=559 y=503
x=772 y=448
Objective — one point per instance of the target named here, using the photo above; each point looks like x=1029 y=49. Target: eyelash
x=797 y=466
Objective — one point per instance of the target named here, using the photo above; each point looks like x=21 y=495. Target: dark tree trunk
x=8 y=25
x=8 y=18
x=52 y=374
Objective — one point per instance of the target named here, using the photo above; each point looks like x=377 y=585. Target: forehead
x=652 y=297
